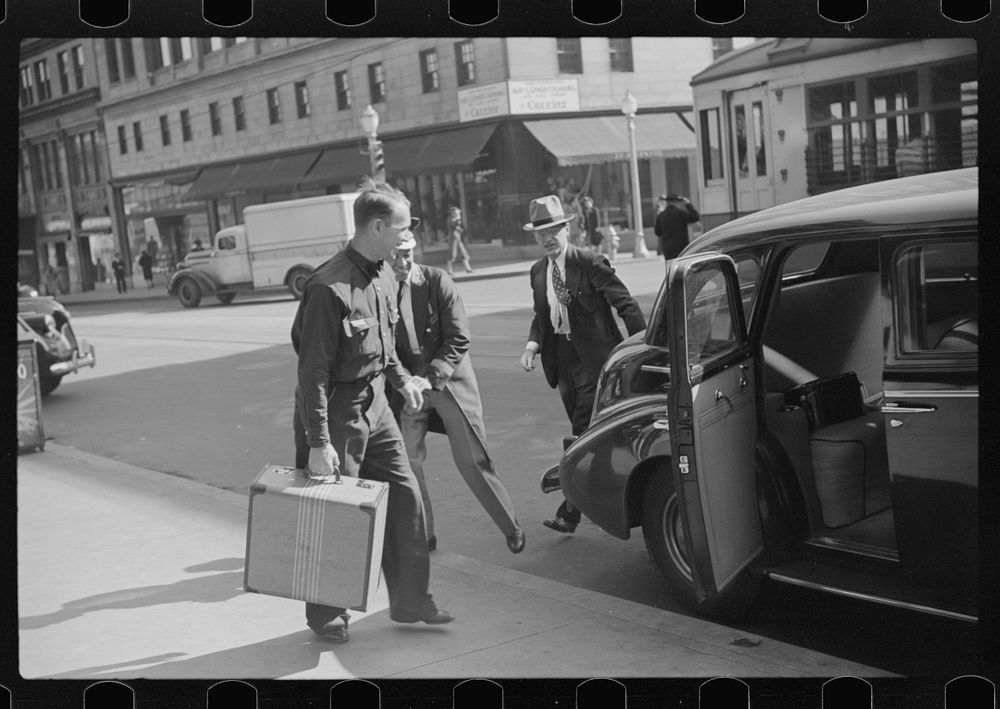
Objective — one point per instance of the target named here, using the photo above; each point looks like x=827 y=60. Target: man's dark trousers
x=577 y=388
x=365 y=435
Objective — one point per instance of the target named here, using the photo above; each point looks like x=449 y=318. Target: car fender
x=608 y=463
x=204 y=281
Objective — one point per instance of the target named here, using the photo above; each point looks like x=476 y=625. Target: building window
x=91 y=154
x=343 y=88
x=302 y=108
x=62 y=61
x=74 y=158
x=711 y=144
x=429 y=70
x=569 y=55
x=273 y=106
x=185 y=125
x=78 y=66
x=165 y=130
x=50 y=154
x=111 y=52
x=27 y=87
x=233 y=41
x=621 y=53
x=465 y=60
x=122 y=141
x=720 y=46
x=376 y=82
x=128 y=59
x=42 y=79
x=214 y=119
x=239 y=113
x=82 y=159
x=137 y=134
x=22 y=160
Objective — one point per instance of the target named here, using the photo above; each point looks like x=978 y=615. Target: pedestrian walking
x=671 y=224
x=591 y=225
x=573 y=328
x=456 y=240
x=118 y=268
x=432 y=342
x=343 y=335
x=146 y=264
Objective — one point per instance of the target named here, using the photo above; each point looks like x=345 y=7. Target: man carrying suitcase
x=343 y=336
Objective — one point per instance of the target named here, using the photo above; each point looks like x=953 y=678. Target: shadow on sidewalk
x=216 y=588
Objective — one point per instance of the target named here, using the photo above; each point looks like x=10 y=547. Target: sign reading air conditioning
x=508 y=98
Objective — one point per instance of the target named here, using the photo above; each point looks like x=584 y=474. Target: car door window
x=710 y=328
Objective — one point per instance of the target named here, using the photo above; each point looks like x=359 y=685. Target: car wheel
x=189 y=293
x=48 y=384
x=226 y=298
x=663 y=532
x=297 y=282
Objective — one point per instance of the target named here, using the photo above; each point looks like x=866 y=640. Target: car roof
x=937 y=197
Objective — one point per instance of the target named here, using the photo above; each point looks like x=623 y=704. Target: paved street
x=205 y=395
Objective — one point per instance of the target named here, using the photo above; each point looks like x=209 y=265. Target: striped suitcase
x=316 y=542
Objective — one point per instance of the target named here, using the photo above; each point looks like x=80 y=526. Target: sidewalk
x=125 y=572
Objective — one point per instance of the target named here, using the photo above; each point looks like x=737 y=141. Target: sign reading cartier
x=519 y=97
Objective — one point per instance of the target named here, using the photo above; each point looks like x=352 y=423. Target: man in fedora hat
x=573 y=328
x=671 y=225
x=432 y=342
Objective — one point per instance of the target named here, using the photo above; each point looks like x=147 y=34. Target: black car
x=48 y=324
x=803 y=405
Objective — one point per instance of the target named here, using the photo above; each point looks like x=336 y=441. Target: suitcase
x=313 y=541
x=830 y=400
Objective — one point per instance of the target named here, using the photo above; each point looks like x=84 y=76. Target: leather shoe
x=438 y=617
x=515 y=541
x=561 y=524
x=332 y=633
x=432 y=543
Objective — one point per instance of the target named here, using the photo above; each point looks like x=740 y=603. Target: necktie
x=562 y=293
x=406 y=330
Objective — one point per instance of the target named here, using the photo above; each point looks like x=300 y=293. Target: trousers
x=469 y=452
x=365 y=435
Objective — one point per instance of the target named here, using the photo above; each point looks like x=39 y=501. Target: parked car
x=48 y=322
x=803 y=405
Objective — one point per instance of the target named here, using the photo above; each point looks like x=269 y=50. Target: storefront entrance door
x=752 y=168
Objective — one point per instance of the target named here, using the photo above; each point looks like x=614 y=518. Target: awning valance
x=344 y=164
x=444 y=151
x=271 y=174
x=598 y=139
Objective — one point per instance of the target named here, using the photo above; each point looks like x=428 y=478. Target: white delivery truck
x=276 y=248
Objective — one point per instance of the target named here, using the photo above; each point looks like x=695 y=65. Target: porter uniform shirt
x=344 y=334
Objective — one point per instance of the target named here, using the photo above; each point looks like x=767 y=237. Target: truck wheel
x=663 y=532
x=297 y=282
x=225 y=298
x=48 y=384
x=189 y=293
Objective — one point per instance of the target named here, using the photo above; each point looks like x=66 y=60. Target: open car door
x=713 y=420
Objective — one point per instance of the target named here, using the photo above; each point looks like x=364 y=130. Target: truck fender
x=204 y=282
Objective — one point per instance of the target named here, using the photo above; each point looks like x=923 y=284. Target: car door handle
x=903 y=407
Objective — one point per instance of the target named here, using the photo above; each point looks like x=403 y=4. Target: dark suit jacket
x=595 y=290
x=442 y=331
x=672 y=227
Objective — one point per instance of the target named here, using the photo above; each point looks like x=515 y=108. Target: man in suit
x=432 y=342
x=671 y=224
x=573 y=328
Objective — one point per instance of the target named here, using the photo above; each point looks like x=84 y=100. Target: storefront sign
x=95 y=223
x=483 y=102
x=544 y=96
x=57 y=224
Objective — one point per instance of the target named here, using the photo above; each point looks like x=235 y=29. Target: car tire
x=189 y=293
x=297 y=282
x=225 y=298
x=48 y=384
x=663 y=532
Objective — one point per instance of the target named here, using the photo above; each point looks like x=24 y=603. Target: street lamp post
x=369 y=124
x=629 y=108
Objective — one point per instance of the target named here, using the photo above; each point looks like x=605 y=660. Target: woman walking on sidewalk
x=456 y=245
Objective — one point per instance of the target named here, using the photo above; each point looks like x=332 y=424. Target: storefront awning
x=344 y=164
x=267 y=174
x=598 y=139
x=444 y=151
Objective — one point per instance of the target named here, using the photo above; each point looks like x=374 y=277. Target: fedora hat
x=545 y=212
x=406 y=241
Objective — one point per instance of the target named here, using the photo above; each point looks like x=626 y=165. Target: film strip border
x=970 y=692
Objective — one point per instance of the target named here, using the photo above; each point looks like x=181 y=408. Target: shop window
x=185 y=125
x=569 y=55
x=214 y=119
x=239 y=113
x=273 y=106
x=465 y=61
x=621 y=53
x=429 y=70
x=833 y=156
x=122 y=141
x=342 y=86
x=302 y=100
x=164 y=131
x=376 y=82
x=711 y=144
